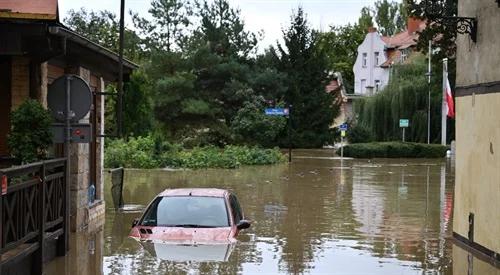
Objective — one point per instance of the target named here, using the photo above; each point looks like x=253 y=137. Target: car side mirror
x=243 y=224
x=135 y=222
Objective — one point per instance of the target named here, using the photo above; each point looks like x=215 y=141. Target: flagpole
x=429 y=73
x=444 y=113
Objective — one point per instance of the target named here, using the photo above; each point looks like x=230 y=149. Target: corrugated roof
x=29 y=9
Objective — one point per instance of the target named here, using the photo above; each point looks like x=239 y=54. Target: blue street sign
x=277 y=111
x=343 y=127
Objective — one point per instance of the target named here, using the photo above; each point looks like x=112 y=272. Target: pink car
x=191 y=216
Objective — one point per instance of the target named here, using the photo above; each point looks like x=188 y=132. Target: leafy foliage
x=252 y=126
x=404 y=97
x=30 y=136
x=443 y=36
x=390 y=16
x=341 y=47
x=102 y=27
x=149 y=152
x=168 y=28
x=359 y=133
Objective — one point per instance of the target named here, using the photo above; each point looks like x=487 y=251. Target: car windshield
x=187 y=212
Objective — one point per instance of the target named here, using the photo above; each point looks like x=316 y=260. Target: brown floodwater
x=315 y=215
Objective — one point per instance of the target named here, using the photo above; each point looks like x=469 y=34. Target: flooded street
x=317 y=215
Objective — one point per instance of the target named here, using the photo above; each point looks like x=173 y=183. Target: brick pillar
x=80 y=172
x=82 y=214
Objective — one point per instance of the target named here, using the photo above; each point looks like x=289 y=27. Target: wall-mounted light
x=437 y=11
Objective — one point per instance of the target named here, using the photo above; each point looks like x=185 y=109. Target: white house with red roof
x=378 y=53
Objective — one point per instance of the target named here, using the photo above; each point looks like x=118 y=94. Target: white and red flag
x=450 y=105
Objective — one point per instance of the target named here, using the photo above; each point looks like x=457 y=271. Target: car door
x=236 y=210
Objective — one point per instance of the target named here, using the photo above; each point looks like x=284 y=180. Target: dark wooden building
x=35 y=49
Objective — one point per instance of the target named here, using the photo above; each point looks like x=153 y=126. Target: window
x=365 y=59
x=235 y=208
x=404 y=55
x=377 y=85
x=187 y=212
x=363 y=86
x=376 y=58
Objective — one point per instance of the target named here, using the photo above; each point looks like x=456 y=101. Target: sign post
x=404 y=123
x=283 y=112
x=343 y=129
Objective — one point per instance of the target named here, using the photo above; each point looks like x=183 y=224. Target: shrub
x=359 y=133
x=149 y=152
x=394 y=150
x=136 y=152
x=30 y=136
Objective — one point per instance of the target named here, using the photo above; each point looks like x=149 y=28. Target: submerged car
x=191 y=216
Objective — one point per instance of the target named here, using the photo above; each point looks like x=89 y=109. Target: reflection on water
x=317 y=215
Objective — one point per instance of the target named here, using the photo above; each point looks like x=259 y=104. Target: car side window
x=235 y=208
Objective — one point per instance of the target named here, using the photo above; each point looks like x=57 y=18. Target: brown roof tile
x=33 y=9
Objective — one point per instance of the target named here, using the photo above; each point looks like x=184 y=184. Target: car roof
x=197 y=192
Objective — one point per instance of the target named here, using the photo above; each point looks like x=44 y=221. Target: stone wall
x=81 y=212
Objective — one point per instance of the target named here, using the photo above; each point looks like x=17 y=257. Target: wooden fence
x=33 y=211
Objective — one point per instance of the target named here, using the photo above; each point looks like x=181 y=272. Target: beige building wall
x=477 y=188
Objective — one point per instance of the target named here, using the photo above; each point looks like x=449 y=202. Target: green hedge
x=394 y=150
x=147 y=153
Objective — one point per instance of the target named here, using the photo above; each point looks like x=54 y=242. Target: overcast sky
x=267 y=15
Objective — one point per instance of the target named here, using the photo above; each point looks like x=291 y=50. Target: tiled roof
x=29 y=9
x=392 y=57
x=404 y=39
x=332 y=86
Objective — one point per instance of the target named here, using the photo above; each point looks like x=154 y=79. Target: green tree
x=306 y=65
x=341 y=47
x=223 y=29
x=30 y=136
x=404 y=97
x=389 y=17
x=443 y=36
x=103 y=28
x=168 y=28
x=366 y=19
x=251 y=126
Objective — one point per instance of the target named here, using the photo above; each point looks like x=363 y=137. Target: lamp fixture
x=436 y=11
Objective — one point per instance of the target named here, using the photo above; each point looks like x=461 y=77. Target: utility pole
x=429 y=73
x=120 y=70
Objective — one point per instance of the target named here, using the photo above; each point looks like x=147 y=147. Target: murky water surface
x=316 y=215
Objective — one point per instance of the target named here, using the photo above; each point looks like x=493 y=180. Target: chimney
x=372 y=29
x=413 y=24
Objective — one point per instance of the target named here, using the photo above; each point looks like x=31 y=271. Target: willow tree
x=405 y=97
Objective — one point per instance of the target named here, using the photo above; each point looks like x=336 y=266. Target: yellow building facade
x=477 y=188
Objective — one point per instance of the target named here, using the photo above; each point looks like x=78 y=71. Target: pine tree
x=306 y=65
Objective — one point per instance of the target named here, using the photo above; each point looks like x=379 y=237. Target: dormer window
x=365 y=60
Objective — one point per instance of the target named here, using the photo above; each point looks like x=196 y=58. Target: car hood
x=182 y=235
